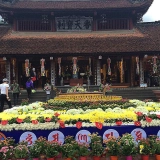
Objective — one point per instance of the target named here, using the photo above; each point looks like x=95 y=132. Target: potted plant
x=83 y=151
x=155 y=144
x=112 y=147
x=52 y=150
x=34 y=151
x=41 y=142
x=70 y=148
x=128 y=146
x=6 y=152
x=144 y=148
x=20 y=152
x=96 y=146
x=69 y=151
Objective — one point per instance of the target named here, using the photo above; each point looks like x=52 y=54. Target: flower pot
x=96 y=157
x=42 y=157
x=51 y=158
x=157 y=157
x=144 y=157
x=128 y=157
x=83 y=158
x=35 y=158
x=59 y=155
x=20 y=159
x=68 y=158
x=113 y=157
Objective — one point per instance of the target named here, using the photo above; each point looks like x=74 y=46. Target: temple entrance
x=115 y=71
x=74 y=70
x=33 y=65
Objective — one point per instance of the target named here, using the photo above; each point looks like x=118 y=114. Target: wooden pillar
x=132 y=71
x=141 y=70
x=98 y=72
x=121 y=71
x=8 y=71
x=130 y=24
x=53 y=72
x=15 y=25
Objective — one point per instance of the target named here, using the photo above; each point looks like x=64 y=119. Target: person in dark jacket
x=29 y=86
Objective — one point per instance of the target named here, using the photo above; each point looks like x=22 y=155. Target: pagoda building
x=79 y=41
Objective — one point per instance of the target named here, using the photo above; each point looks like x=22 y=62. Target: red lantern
x=137 y=123
x=48 y=119
x=119 y=123
x=19 y=120
x=79 y=124
x=4 y=122
x=61 y=123
x=99 y=125
x=56 y=114
x=148 y=119
x=34 y=122
x=139 y=113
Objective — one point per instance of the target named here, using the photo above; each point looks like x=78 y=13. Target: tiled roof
x=3 y=30
x=143 y=39
x=79 y=4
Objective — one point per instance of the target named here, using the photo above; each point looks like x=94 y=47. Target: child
x=47 y=88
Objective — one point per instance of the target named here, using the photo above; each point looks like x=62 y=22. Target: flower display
x=70 y=148
x=144 y=146
x=6 y=152
x=47 y=87
x=85 y=114
x=78 y=88
x=128 y=145
x=113 y=146
x=83 y=149
x=52 y=149
x=21 y=151
x=96 y=145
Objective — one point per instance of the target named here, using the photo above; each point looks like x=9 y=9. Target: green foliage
x=34 y=151
x=96 y=145
x=52 y=149
x=113 y=146
x=144 y=146
x=21 y=151
x=128 y=145
x=24 y=102
x=83 y=149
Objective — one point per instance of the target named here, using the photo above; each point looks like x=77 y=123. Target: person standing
x=29 y=86
x=16 y=92
x=34 y=77
x=4 y=87
x=47 y=88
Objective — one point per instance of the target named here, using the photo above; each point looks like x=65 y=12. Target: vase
x=96 y=157
x=128 y=157
x=83 y=158
x=144 y=157
x=51 y=158
x=157 y=156
x=113 y=157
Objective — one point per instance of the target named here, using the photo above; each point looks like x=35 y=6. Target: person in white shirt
x=4 y=94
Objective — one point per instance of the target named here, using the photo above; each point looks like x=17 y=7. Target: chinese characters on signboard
x=74 y=23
